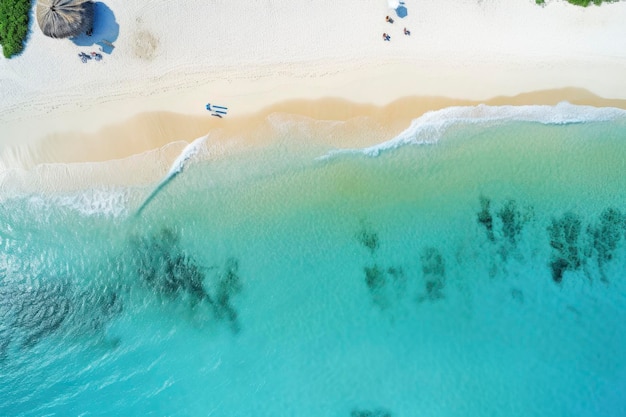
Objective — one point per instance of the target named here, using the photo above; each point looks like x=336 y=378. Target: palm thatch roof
x=64 y=18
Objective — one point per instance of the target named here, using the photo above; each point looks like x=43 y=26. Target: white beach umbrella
x=393 y=4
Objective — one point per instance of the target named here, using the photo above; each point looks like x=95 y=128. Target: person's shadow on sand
x=105 y=29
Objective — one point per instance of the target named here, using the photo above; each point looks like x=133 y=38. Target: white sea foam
x=431 y=126
x=101 y=201
x=107 y=203
x=91 y=202
x=190 y=151
x=187 y=153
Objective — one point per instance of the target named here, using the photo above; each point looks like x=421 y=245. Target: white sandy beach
x=255 y=54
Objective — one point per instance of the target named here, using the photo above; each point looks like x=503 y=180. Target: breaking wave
x=433 y=125
x=190 y=151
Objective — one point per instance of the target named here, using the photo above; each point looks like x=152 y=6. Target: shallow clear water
x=484 y=274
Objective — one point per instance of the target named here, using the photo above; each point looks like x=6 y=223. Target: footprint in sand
x=145 y=45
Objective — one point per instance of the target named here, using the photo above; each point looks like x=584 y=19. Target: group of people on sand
x=86 y=57
x=387 y=37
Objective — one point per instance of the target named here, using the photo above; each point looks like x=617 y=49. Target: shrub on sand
x=14 y=18
x=586 y=3
x=583 y=3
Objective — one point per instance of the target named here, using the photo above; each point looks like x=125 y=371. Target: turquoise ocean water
x=474 y=265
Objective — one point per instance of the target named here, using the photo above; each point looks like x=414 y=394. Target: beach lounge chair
x=84 y=57
x=216 y=109
x=106 y=46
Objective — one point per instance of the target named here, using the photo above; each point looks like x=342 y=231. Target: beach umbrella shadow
x=105 y=29
x=401 y=11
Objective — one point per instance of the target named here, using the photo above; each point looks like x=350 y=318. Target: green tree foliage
x=586 y=3
x=14 y=19
x=583 y=3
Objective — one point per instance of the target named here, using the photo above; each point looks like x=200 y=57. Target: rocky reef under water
x=32 y=312
x=573 y=246
x=169 y=272
x=34 y=306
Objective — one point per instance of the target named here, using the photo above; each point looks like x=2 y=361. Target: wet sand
x=140 y=150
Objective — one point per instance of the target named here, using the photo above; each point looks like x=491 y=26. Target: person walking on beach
x=386 y=37
x=407 y=32
x=388 y=19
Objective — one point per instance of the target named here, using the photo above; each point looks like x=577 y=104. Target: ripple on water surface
x=483 y=273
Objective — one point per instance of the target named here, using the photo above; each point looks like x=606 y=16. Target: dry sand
x=322 y=60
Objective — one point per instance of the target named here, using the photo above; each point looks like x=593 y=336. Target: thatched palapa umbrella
x=64 y=18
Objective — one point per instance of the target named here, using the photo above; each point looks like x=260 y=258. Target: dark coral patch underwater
x=567 y=244
x=378 y=412
x=164 y=267
x=54 y=307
